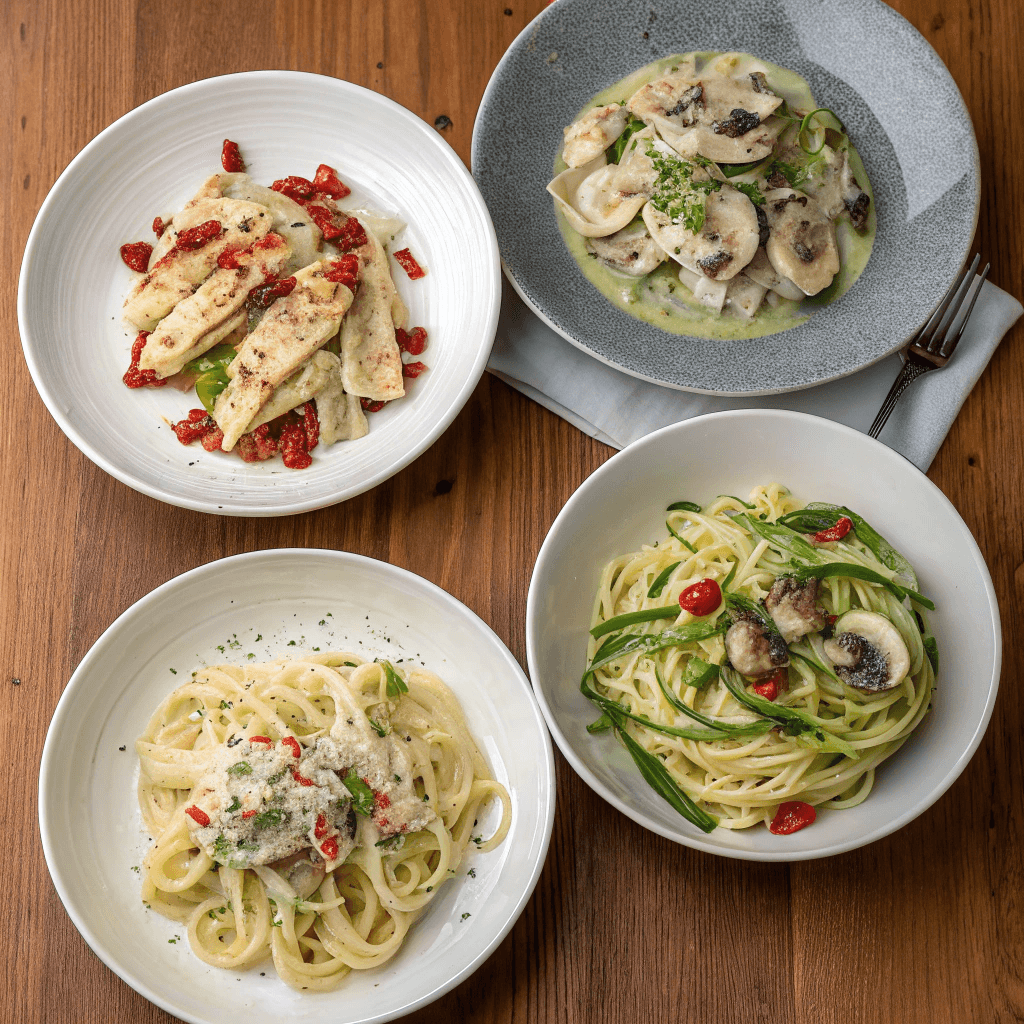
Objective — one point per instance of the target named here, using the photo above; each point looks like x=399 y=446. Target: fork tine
x=950 y=304
x=951 y=340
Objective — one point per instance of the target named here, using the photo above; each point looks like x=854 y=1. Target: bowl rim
x=422 y=441
x=697 y=840
x=578 y=340
x=109 y=637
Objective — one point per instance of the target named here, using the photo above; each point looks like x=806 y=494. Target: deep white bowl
x=256 y=603
x=150 y=162
x=622 y=506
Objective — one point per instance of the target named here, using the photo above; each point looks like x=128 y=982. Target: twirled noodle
x=743 y=780
x=358 y=915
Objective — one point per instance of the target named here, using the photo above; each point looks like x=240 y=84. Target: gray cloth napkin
x=617 y=409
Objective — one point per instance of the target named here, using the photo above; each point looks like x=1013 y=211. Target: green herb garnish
x=659 y=584
x=362 y=795
x=240 y=768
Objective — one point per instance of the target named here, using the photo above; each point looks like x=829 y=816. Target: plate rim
x=424 y=441
x=578 y=343
x=109 y=636
x=697 y=841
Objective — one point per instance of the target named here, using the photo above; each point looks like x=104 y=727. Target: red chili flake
x=264 y=295
x=344 y=270
x=212 y=441
x=136 y=378
x=326 y=180
x=197 y=426
x=258 y=445
x=837 y=532
x=345 y=234
x=791 y=817
x=413 y=369
x=832 y=619
x=329 y=848
x=136 y=255
x=322 y=828
x=231 y=158
x=160 y=226
x=383 y=823
x=408 y=263
x=248 y=814
x=413 y=342
x=311 y=425
x=702 y=598
x=294 y=452
x=261 y=739
x=293 y=745
x=369 y=405
x=382 y=801
x=294 y=187
x=198 y=815
x=302 y=780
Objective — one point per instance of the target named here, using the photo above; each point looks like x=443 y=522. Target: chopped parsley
x=362 y=795
x=234 y=805
x=225 y=704
x=270 y=819
x=676 y=194
x=391 y=843
x=751 y=191
x=395 y=683
x=240 y=768
x=472 y=872
x=464 y=916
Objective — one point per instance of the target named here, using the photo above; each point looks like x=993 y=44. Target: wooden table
x=922 y=926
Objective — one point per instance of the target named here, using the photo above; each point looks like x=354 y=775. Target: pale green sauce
x=660 y=298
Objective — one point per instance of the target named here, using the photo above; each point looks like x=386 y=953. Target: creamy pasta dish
x=761 y=660
x=309 y=810
x=708 y=193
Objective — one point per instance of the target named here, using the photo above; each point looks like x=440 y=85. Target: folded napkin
x=617 y=409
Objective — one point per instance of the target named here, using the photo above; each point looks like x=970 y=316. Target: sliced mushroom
x=629 y=251
x=723 y=246
x=752 y=650
x=793 y=607
x=590 y=135
x=868 y=652
x=802 y=245
x=303 y=873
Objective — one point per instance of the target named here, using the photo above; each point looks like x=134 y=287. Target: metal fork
x=933 y=346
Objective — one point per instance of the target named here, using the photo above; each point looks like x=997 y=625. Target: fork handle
x=907 y=375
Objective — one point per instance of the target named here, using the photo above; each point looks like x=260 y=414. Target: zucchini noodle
x=742 y=779
x=360 y=912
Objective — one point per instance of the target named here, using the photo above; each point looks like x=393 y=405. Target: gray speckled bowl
x=902 y=108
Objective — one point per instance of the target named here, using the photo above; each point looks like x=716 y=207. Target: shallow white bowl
x=150 y=162
x=88 y=810
x=622 y=506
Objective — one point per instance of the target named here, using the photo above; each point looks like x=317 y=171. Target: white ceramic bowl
x=150 y=162
x=623 y=504
x=88 y=811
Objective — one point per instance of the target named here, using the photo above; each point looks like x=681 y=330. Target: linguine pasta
x=325 y=909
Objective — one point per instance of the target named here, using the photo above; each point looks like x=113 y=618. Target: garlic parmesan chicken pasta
x=762 y=660
x=708 y=193
x=279 y=307
x=308 y=810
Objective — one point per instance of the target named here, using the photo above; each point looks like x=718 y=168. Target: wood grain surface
x=924 y=926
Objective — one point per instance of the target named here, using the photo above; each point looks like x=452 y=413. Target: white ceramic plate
x=89 y=773
x=622 y=506
x=150 y=162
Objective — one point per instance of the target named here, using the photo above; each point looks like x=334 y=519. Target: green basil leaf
x=395 y=683
x=240 y=768
x=617 y=622
x=861 y=572
x=628 y=643
x=782 y=538
x=602 y=724
x=362 y=795
x=682 y=540
x=683 y=506
x=728 y=728
x=699 y=673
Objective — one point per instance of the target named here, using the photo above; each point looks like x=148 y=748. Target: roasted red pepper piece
x=212 y=441
x=791 y=817
x=198 y=815
x=326 y=180
x=407 y=262
x=264 y=295
x=159 y=226
x=344 y=270
x=136 y=256
x=136 y=378
x=302 y=780
x=293 y=745
x=769 y=688
x=261 y=739
x=329 y=848
x=322 y=828
x=258 y=445
x=311 y=425
x=701 y=598
x=413 y=370
x=196 y=427
x=294 y=187
x=195 y=238
x=294 y=451
x=231 y=157
x=369 y=405
x=837 y=532
x=413 y=342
